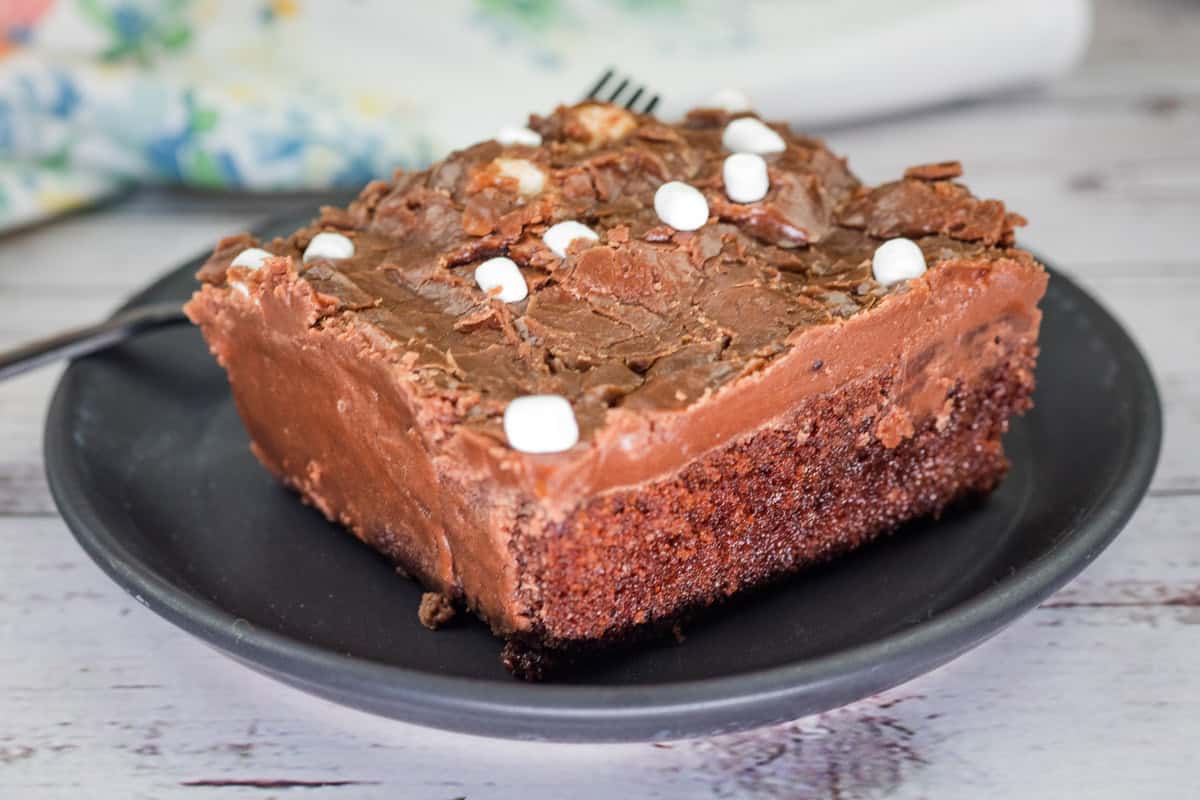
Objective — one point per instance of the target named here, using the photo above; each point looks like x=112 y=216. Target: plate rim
x=623 y=713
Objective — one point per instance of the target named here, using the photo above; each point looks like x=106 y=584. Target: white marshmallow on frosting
x=559 y=237
x=516 y=134
x=732 y=100
x=333 y=246
x=251 y=258
x=530 y=179
x=681 y=206
x=502 y=273
x=897 y=260
x=540 y=423
x=745 y=177
x=750 y=135
x=602 y=122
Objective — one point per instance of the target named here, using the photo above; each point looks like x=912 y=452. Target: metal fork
x=87 y=339
x=614 y=95
x=80 y=341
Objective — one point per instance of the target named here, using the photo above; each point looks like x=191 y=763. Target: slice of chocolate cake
x=614 y=370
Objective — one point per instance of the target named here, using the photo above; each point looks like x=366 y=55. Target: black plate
x=149 y=465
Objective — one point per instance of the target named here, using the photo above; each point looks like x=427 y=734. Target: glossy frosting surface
x=644 y=318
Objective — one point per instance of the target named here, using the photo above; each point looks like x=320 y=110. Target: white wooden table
x=1095 y=694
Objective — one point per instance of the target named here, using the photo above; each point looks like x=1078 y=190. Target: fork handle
x=89 y=338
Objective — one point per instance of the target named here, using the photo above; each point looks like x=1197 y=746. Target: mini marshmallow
x=603 y=122
x=502 y=273
x=515 y=134
x=750 y=135
x=732 y=100
x=540 y=423
x=681 y=206
x=251 y=258
x=745 y=177
x=530 y=179
x=333 y=246
x=560 y=236
x=897 y=260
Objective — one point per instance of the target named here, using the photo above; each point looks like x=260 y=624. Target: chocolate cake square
x=592 y=378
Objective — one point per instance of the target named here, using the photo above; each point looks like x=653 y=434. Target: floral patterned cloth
x=95 y=95
x=270 y=95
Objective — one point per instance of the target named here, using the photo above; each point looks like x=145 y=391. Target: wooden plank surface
x=1093 y=695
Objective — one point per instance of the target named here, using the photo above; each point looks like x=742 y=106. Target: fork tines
x=600 y=91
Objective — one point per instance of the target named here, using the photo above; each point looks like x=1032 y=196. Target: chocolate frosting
x=646 y=318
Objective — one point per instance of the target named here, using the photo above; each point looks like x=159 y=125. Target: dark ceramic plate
x=150 y=467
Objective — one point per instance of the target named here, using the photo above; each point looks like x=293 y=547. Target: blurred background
x=272 y=95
